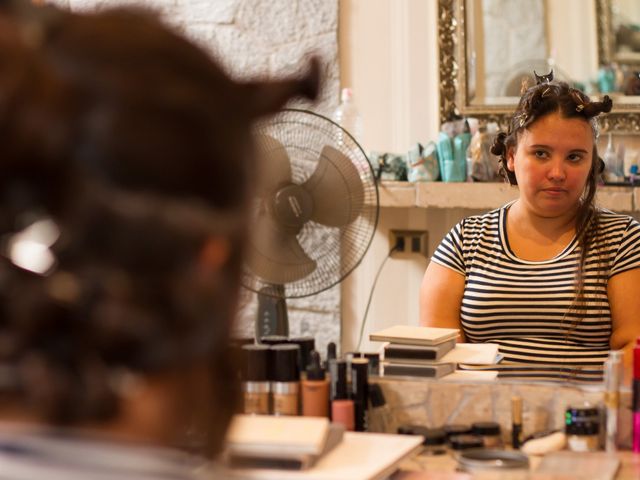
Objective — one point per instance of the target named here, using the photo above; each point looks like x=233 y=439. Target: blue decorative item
x=422 y=163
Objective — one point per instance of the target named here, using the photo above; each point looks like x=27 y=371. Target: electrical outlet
x=409 y=242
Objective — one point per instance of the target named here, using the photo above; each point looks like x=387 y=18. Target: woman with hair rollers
x=550 y=277
x=125 y=182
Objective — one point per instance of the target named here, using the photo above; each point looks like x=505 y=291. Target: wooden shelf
x=485 y=196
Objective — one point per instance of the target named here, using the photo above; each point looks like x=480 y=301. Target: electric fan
x=315 y=213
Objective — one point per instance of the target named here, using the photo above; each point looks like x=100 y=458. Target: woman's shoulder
x=611 y=220
x=484 y=220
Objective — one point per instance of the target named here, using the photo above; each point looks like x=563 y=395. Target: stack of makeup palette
x=416 y=351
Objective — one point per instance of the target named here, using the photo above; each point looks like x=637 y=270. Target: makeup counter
x=452 y=414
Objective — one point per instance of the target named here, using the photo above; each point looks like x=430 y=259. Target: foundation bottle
x=315 y=389
x=285 y=385
x=255 y=379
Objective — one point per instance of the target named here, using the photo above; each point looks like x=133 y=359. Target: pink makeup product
x=636 y=397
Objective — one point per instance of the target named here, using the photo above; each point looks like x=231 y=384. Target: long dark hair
x=137 y=145
x=543 y=99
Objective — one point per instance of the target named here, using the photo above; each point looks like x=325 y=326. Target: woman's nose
x=556 y=170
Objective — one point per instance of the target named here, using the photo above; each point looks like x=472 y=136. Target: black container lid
x=274 y=339
x=485 y=428
x=376 y=397
x=307 y=345
x=284 y=360
x=432 y=436
x=456 y=429
x=255 y=363
x=462 y=442
x=331 y=351
x=374 y=362
x=314 y=369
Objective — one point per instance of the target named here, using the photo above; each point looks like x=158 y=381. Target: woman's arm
x=440 y=297
x=623 y=291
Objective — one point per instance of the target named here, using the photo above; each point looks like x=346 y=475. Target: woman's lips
x=555 y=191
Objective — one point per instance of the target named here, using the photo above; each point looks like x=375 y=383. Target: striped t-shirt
x=526 y=306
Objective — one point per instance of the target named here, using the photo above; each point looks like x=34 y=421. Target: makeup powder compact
x=490 y=433
x=515 y=465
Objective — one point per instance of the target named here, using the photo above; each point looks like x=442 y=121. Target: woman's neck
x=536 y=238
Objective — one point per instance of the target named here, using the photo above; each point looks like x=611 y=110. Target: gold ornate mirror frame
x=624 y=118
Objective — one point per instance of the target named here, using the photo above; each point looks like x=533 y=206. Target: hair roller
x=594 y=108
x=498 y=147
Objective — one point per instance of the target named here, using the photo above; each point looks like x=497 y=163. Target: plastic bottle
x=458 y=169
x=612 y=163
x=348 y=117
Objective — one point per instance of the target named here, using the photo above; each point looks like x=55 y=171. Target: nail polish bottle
x=315 y=389
x=342 y=408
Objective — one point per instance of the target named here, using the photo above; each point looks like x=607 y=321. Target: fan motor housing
x=292 y=205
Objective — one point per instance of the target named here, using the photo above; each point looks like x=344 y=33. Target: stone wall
x=254 y=38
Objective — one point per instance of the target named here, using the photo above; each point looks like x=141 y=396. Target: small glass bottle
x=582 y=427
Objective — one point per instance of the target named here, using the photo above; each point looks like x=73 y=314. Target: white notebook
x=410 y=335
x=360 y=456
x=283 y=437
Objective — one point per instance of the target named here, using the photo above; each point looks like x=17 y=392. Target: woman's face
x=551 y=162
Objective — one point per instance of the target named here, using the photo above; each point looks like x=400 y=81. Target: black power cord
x=397 y=246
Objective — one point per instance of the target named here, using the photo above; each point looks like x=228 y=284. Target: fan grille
x=336 y=250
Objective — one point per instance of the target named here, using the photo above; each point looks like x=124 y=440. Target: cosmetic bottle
x=582 y=427
x=255 y=379
x=612 y=377
x=331 y=354
x=338 y=380
x=342 y=409
x=307 y=345
x=458 y=170
x=315 y=389
x=285 y=385
x=360 y=391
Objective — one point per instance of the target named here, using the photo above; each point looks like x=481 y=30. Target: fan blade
x=275 y=254
x=336 y=189
x=274 y=165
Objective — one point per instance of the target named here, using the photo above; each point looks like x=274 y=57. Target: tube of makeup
x=612 y=376
x=636 y=397
x=516 y=422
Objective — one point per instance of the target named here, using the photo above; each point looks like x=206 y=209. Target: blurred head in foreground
x=125 y=177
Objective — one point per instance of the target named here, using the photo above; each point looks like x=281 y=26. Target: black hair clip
x=540 y=79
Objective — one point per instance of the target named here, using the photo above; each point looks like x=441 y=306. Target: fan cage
x=336 y=250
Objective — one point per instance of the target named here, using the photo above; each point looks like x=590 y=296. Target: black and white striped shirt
x=526 y=306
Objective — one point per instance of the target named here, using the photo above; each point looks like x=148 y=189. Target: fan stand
x=272 y=312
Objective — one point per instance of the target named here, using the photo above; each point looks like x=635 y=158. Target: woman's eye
x=540 y=154
x=575 y=157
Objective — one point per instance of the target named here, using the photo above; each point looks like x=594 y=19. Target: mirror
x=487 y=49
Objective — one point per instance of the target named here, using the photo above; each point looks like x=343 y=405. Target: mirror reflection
x=493 y=47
